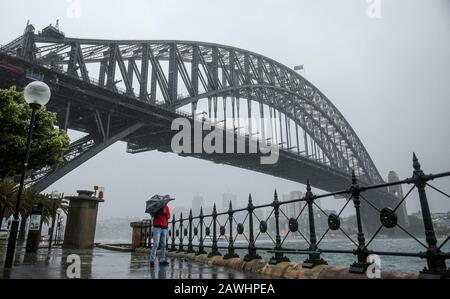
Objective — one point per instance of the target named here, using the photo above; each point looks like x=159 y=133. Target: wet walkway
x=104 y=264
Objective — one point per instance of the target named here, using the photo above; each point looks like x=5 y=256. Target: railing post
x=314 y=257
x=190 y=246
x=231 y=253
x=251 y=255
x=201 y=249
x=172 y=248
x=437 y=267
x=279 y=256
x=214 y=249
x=180 y=247
x=361 y=265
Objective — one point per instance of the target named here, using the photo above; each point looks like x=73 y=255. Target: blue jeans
x=159 y=238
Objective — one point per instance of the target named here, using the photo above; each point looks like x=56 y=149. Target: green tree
x=47 y=144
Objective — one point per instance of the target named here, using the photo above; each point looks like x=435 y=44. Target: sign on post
x=35 y=217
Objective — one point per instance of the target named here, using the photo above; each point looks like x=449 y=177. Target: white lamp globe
x=37 y=93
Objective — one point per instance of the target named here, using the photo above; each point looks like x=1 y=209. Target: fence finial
x=190 y=213
x=416 y=163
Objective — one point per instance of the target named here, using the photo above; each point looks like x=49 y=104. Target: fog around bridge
x=388 y=76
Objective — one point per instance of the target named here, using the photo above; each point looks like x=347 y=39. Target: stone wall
x=287 y=270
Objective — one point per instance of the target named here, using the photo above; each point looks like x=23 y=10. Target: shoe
x=152 y=264
x=165 y=263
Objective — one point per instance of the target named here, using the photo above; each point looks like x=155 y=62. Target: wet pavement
x=104 y=264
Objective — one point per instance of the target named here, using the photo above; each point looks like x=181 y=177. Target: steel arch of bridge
x=204 y=71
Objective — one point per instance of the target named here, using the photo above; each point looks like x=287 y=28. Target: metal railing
x=205 y=231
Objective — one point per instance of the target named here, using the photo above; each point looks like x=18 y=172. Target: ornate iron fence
x=204 y=231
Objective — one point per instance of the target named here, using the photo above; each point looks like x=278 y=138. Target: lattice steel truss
x=184 y=72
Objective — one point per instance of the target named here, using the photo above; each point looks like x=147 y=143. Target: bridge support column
x=81 y=221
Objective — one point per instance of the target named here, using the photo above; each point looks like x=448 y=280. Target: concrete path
x=103 y=264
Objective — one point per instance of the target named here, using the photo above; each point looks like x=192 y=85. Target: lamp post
x=36 y=94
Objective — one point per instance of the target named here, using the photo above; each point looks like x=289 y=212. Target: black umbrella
x=156 y=204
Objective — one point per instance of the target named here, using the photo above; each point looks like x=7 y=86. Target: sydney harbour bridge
x=132 y=90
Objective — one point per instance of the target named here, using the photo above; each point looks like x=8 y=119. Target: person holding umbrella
x=158 y=209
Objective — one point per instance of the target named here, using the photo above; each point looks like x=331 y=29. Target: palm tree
x=7 y=198
x=29 y=197
x=50 y=207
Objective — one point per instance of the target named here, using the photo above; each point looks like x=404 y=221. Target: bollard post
x=251 y=255
x=172 y=248
x=279 y=256
x=361 y=265
x=190 y=246
x=437 y=267
x=314 y=257
x=201 y=249
x=214 y=249
x=231 y=253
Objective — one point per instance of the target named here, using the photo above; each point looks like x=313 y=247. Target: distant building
x=226 y=199
x=176 y=211
x=292 y=210
x=258 y=213
x=197 y=203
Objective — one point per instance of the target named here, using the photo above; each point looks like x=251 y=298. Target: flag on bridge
x=299 y=67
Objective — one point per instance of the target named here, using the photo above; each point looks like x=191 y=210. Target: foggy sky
x=389 y=77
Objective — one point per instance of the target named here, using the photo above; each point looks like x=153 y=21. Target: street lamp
x=36 y=94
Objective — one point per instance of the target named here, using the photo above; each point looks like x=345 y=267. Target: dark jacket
x=161 y=220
